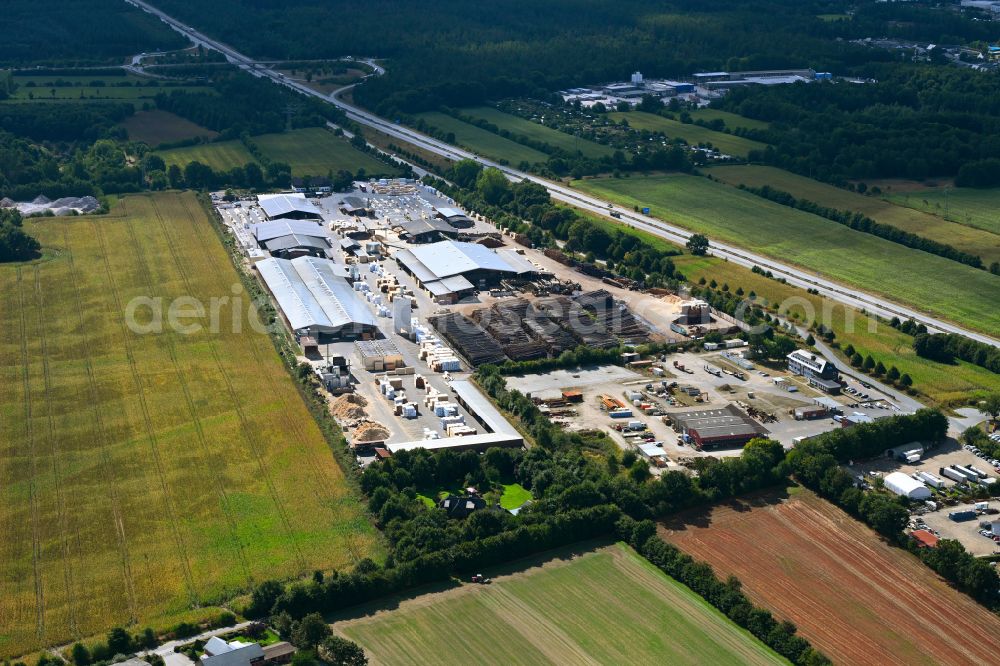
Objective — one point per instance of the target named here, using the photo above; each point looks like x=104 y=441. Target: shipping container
x=960 y=516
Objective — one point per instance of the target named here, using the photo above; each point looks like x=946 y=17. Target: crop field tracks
x=142 y=473
x=854 y=597
x=582 y=605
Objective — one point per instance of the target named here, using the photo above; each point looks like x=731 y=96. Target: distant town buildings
x=701 y=88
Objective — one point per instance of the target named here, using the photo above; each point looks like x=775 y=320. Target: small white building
x=906 y=486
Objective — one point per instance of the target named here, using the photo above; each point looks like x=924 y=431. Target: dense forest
x=79 y=32
x=916 y=121
x=442 y=54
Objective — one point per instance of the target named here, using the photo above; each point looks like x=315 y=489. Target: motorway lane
x=796 y=276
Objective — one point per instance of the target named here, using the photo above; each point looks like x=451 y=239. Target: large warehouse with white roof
x=453 y=269
x=292 y=238
x=314 y=297
x=289 y=207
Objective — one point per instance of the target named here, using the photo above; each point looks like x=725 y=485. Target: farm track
x=293 y=424
x=56 y=456
x=249 y=432
x=36 y=546
x=109 y=476
x=154 y=446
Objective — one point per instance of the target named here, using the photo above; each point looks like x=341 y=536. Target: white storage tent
x=906 y=486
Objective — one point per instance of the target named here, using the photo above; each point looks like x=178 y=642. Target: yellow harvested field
x=143 y=474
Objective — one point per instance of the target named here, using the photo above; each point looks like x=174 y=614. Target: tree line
x=865 y=224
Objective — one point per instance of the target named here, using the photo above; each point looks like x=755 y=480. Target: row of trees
x=865 y=224
x=946 y=347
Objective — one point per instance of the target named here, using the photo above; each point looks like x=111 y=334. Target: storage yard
x=946 y=475
x=851 y=595
x=648 y=403
x=364 y=295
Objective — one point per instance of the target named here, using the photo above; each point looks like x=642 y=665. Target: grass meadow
x=221 y=155
x=732 y=120
x=482 y=142
x=603 y=606
x=977 y=208
x=693 y=134
x=540 y=132
x=155 y=127
x=930 y=283
x=971 y=239
x=315 y=151
x=144 y=475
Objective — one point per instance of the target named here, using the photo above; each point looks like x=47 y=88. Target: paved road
x=796 y=276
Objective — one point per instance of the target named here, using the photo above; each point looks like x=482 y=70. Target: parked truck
x=966 y=472
x=930 y=479
x=953 y=474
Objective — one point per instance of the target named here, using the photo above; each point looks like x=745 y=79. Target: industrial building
x=455 y=217
x=355 y=206
x=315 y=298
x=289 y=207
x=427 y=231
x=712 y=428
x=289 y=239
x=906 y=486
x=499 y=433
x=450 y=270
x=819 y=372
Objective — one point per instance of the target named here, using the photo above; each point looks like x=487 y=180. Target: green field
x=968 y=239
x=933 y=284
x=977 y=208
x=315 y=151
x=936 y=382
x=221 y=156
x=693 y=134
x=605 y=606
x=311 y=151
x=44 y=88
x=156 y=127
x=539 y=132
x=144 y=474
x=732 y=120
x=482 y=142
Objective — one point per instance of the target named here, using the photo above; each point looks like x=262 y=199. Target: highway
x=871 y=303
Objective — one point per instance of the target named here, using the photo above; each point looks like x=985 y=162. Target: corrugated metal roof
x=479 y=442
x=295 y=240
x=452 y=257
x=336 y=296
x=481 y=407
x=282 y=204
x=457 y=283
x=312 y=295
x=450 y=212
x=415 y=266
x=518 y=261
x=265 y=231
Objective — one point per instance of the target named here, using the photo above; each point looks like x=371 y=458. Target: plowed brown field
x=854 y=597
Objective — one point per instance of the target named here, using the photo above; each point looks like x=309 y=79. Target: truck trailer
x=930 y=479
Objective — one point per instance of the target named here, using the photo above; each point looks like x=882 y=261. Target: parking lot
x=966 y=532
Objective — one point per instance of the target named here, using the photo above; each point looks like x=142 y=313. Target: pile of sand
x=370 y=431
x=348 y=407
